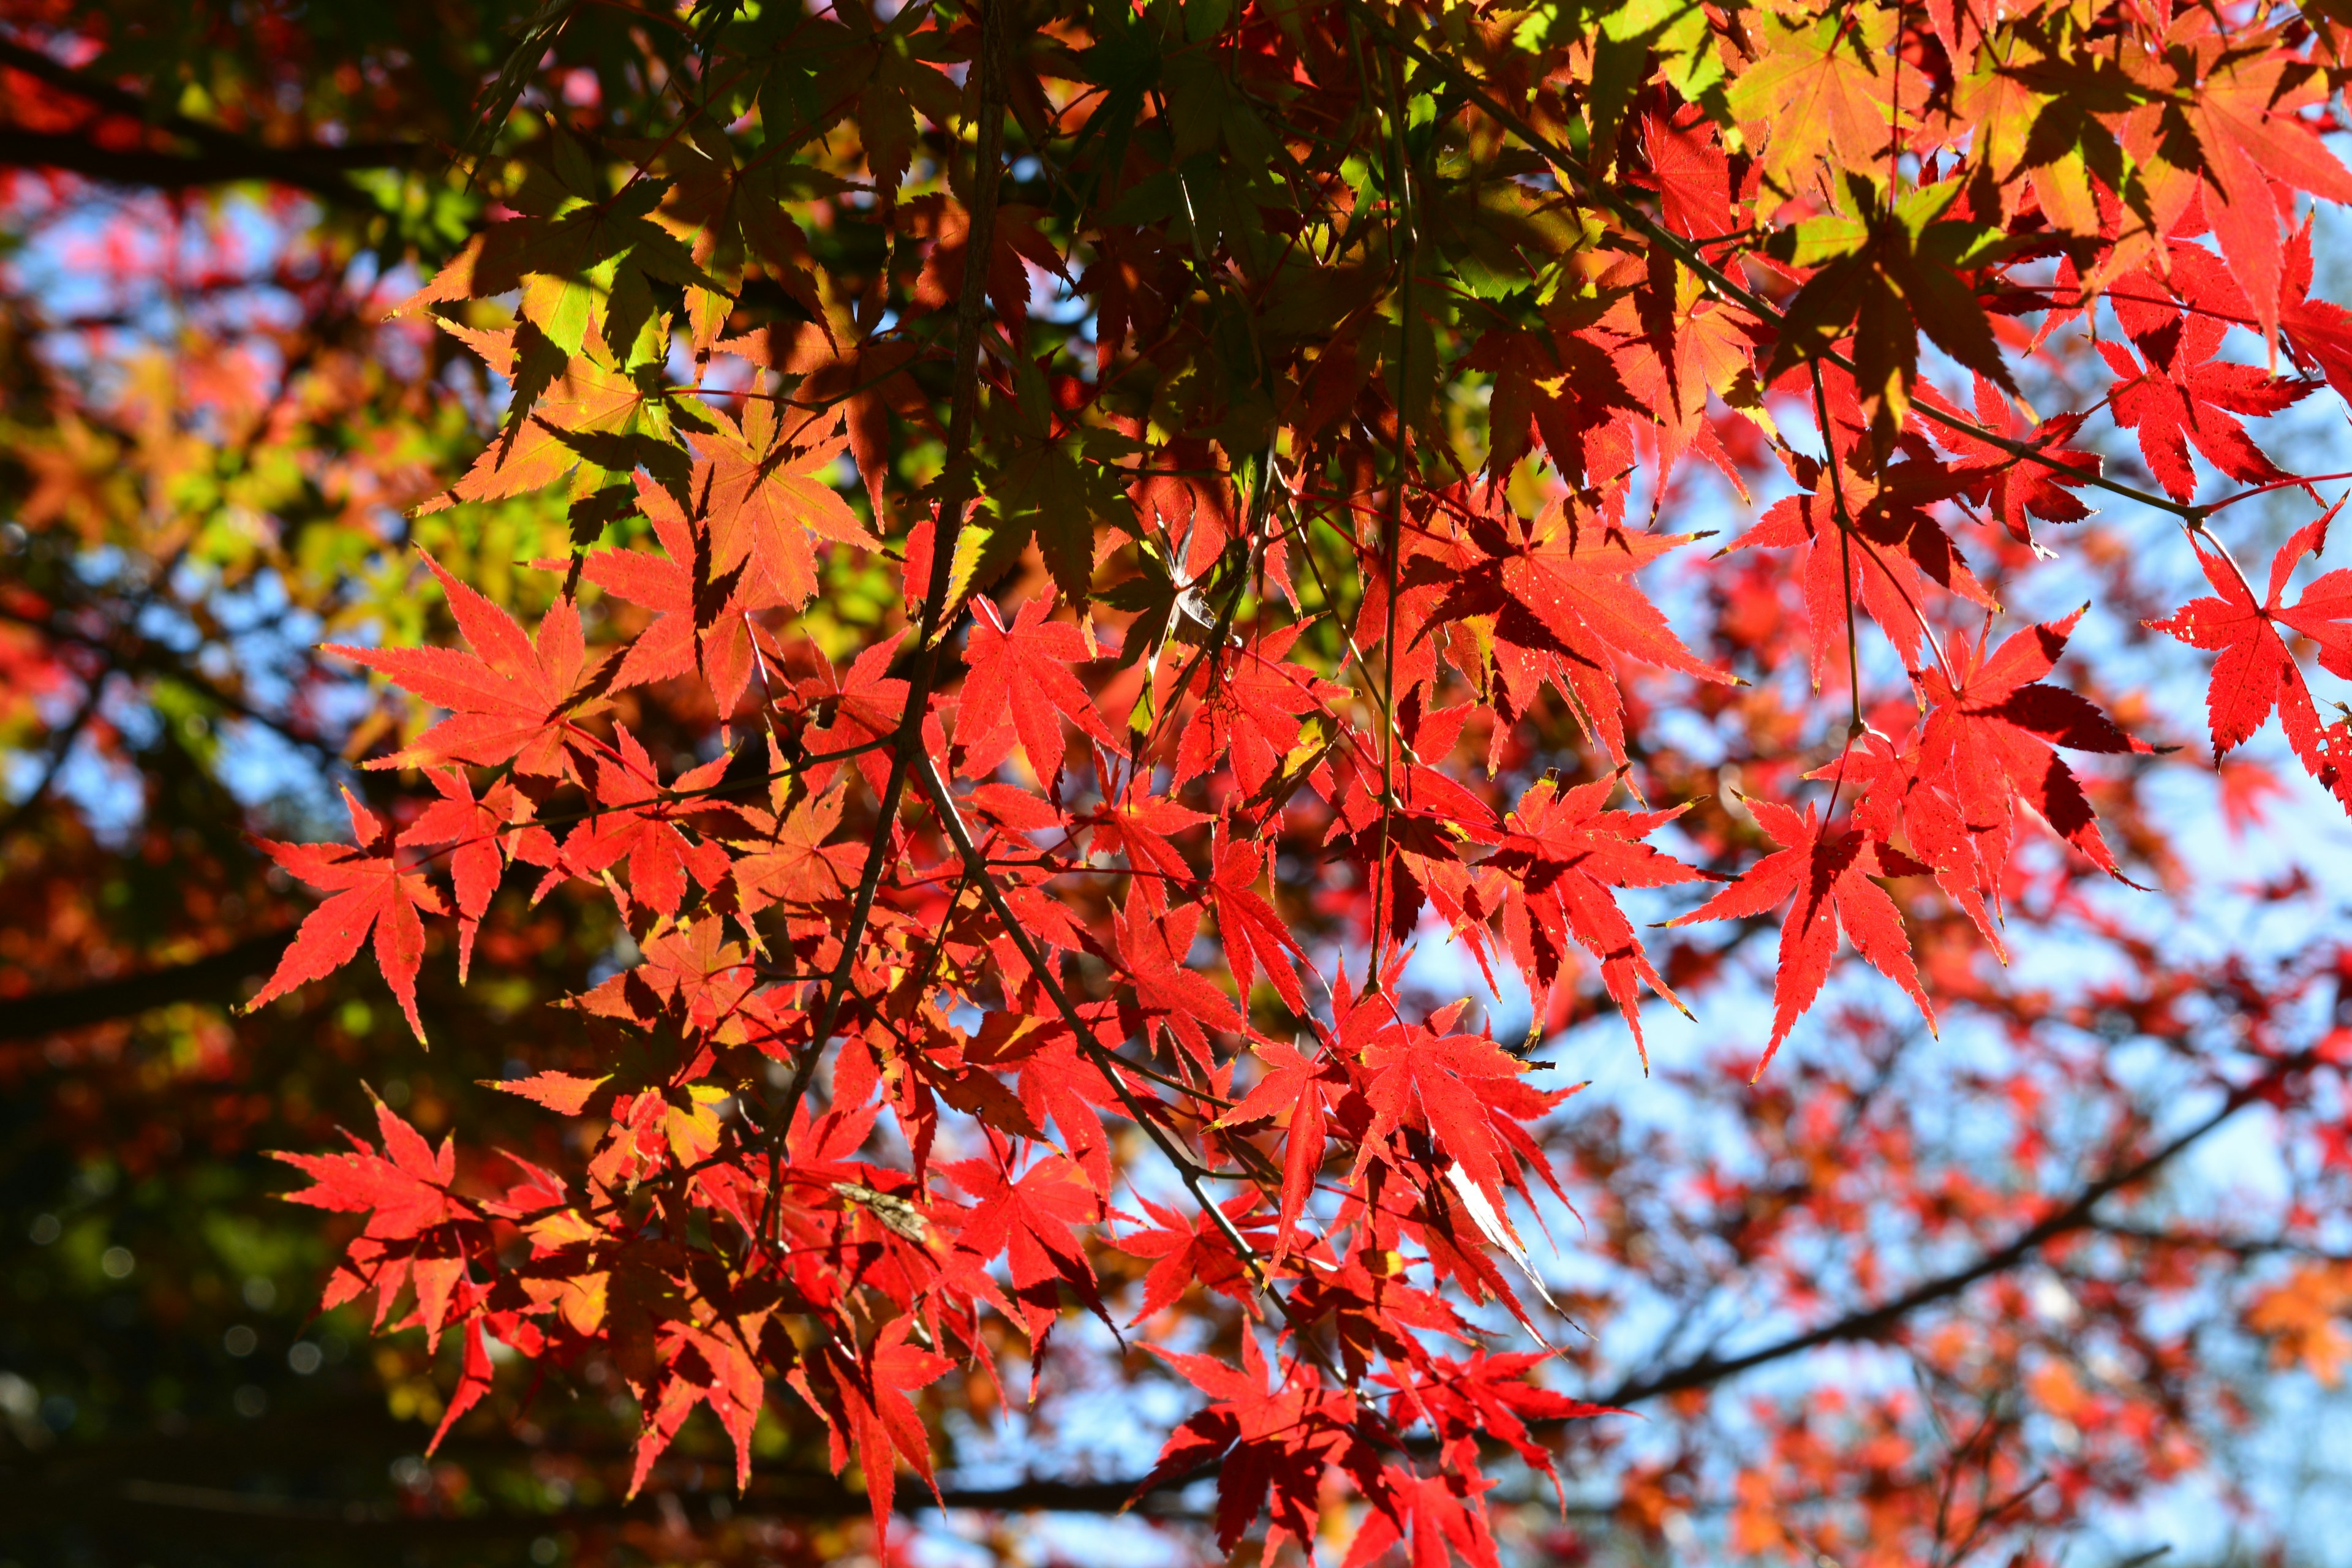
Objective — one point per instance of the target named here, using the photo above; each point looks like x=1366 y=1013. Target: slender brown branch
x=1877 y=1322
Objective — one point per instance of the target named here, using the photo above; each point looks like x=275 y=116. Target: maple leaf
x=1826 y=883
x=1013 y=240
x=1898 y=796
x=765 y=497
x=1488 y=1397
x=1555 y=383
x=699 y=622
x=636 y=820
x=691 y=972
x=2017 y=491
x=2248 y=139
x=1889 y=272
x=1296 y=1088
x=1269 y=1442
x=1049 y=479
x=1575 y=576
x=2030 y=102
x=869 y=708
x=1428 y=1514
x=1462 y=1090
x=1562 y=587
x=710 y=1365
x=1154 y=946
x=1563 y=853
x=2197 y=405
x=872 y=1393
x=1027 y=1221
x=564 y=1093
x=2318 y=333
x=1674 y=348
x=418 y=1232
x=1253 y=708
x=485 y=832
x=1254 y=937
x=370 y=891
x=1894 y=549
x=560 y=402
x=473 y=1377
x=1020 y=678
x=1055 y=1076
x=792 y=861
x=514 y=699
x=1189 y=1251
x=2256 y=670
x=1989 y=733
x=1826 y=87
x=1136 y=826
x=1690 y=171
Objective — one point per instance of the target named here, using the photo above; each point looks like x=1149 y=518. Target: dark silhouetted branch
x=216 y=978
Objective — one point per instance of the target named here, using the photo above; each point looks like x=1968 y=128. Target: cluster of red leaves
x=967 y=883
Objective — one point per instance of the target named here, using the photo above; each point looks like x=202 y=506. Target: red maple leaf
x=1188 y=1250
x=699 y=613
x=1894 y=549
x=1254 y=936
x=485 y=832
x=1013 y=240
x=371 y=892
x=2017 y=490
x=1898 y=798
x=1027 y=1220
x=1690 y=172
x=418 y=1232
x=2253 y=143
x=1251 y=713
x=765 y=495
x=1487 y=1398
x=870 y=1399
x=638 y=820
x=1054 y=1077
x=1019 y=680
x=2198 y=402
x=1137 y=825
x=1562 y=592
x=1294 y=1087
x=705 y=1355
x=1826 y=882
x=1261 y=1437
x=868 y=707
x=1562 y=853
x=1428 y=1515
x=1574 y=575
x=558 y=407
x=514 y=699
x=1989 y=739
x=1463 y=1091
x=2256 y=670
x=794 y=858
x=1155 y=947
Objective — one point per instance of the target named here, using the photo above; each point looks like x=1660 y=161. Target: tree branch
x=217 y=978
x=1876 y=1322
x=222 y=155
x=317 y=169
